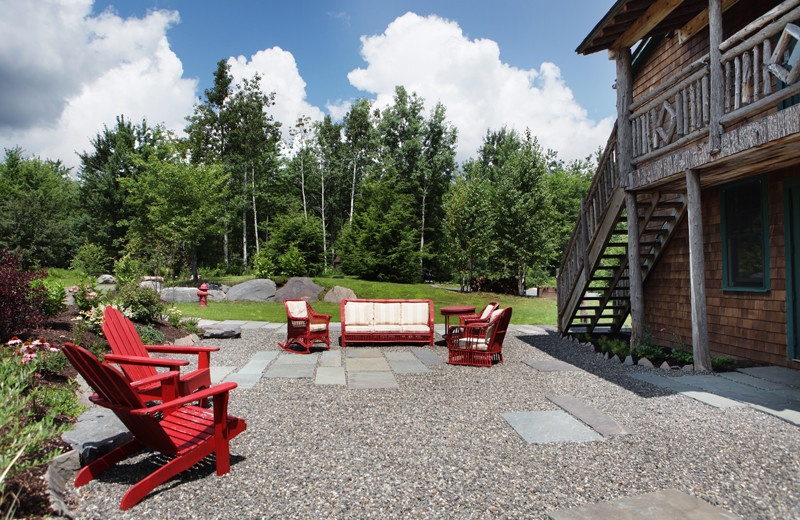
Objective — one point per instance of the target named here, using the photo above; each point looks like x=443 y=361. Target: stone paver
x=365 y=379
x=427 y=357
x=331 y=358
x=551 y=365
x=550 y=426
x=363 y=352
x=603 y=424
x=529 y=330
x=249 y=375
x=218 y=373
x=270 y=325
x=667 y=504
x=408 y=366
x=367 y=364
x=253 y=324
x=781 y=375
x=330 y=376
x=293 y=366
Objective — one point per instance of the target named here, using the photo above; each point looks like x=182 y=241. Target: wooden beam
x=699 y=22
x=646 y=23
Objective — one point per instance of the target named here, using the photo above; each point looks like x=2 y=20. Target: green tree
x=38 y=210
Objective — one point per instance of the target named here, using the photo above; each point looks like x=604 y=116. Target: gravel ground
x=438 y=447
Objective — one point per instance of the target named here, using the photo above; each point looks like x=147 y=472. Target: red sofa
x=387 y=321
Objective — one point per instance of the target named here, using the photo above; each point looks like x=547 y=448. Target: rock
x=106 y=279
x=616 y=359
x=216 y=295
x=605 y=356
x=152 y=284
x=628 y=360
x=97 y=432
x=298 y=289
x=159 y=279
x=59 y=471
x=339 y=293
x=687 y=367
x=223 y=333
x=666 y=366
x=180 y=294
x=256 y=290
x=644 y=362
x=187 y=341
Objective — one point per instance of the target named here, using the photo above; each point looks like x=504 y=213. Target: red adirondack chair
x=484 y=315
x=304 y=326
x=479 y=343
x=140 y=368
x=188 y=433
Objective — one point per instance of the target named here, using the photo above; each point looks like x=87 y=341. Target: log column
x=697 y=273
x=624 y=160
x=717 y=86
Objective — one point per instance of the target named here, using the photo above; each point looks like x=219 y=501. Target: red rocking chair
x=140 y=368
x=479 y=343
x=175 y=427
x=304 y=326
x=484 y=315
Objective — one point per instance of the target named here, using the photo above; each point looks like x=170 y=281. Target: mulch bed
x=29 y=486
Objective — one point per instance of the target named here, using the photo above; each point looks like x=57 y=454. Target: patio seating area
x=395 y=431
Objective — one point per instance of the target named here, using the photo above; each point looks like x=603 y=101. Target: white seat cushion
x=358 y=314
x=415 y=313
x=359 y=328
x=416 y=328
x=472 y=344
x=385 y=327
x=297 y=309
x=317 y=327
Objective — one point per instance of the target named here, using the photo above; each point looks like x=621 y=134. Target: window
x=745 y=235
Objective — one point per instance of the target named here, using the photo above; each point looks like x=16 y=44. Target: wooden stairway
x=593 y=282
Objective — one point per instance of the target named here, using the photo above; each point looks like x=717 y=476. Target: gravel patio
x=438 y=447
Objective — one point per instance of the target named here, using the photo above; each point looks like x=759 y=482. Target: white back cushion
x=358 y=313
x=486 y=312
x=297 y=309
x=415 y=313
x=387 y=313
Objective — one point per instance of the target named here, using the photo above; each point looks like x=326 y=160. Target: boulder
x=223 y=332
x=338 y=293
x=180 y=294
x=256 y=290
x=644 y=362
x=297 y=289
x=152 y=284
x=215 y=295
x=106 y=279
x=96 y=432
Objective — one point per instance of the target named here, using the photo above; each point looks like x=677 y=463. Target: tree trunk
x=353 y=189
x=194 y=262
x=225 y=240
x=255 y=212
x=324 y=237
x=521 y=273
x=244 y=229
x=422 y=232
x=303 y=185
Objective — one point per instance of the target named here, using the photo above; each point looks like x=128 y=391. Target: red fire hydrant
x=203 y=294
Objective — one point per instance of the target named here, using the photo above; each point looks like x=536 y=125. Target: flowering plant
x=174 y=315
x=86 y=295
x=92 y=319
x=39 y=355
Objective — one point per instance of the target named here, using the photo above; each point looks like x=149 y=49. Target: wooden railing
x=593 y=209
x=679 y=110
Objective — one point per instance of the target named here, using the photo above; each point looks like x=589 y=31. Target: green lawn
x=533 y=311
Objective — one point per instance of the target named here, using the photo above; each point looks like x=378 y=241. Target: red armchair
x=479 y=343
x=304 y=326
x=484 y=315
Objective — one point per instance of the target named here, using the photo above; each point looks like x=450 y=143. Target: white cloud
x=432 y=57
x=66 y=73
x=279 y=74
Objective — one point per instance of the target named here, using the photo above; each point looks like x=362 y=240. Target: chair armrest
x=222 y=388
x=146 y=361
x=163 y=376
x=179 y=349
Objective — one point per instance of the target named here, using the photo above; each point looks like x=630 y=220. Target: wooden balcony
x=725 y=127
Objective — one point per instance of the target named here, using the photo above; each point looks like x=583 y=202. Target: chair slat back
x=125 y=341
x=112 y=387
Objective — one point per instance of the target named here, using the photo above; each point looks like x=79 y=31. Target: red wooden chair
x=484 y=315
x=479 y=343
x=304 y=326
x=175 y=427
x=140 y=368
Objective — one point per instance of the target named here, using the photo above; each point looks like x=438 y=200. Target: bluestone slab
x=549 y=426
x=361 y=352
x=757 y=382
x=667 y=504
x=330 y=376
x=364 y=379
x=603 y=424
x=218 y=373
x=402 y=366
x=785 y=376
x=428 y=357
x=367 y=364
x=290 y=371
x=331 y=358
x=551 y=365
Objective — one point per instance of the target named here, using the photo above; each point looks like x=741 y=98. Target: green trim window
x=745 y=235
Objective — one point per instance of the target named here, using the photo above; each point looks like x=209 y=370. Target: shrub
x=20 y=303
x=144 y=303
x=149 y=335
x=174 y=315
x=90 y=258
x=292 y=262
x=127 y=270
x=86 y=295
x=53 y=296
x=265 y=265
x=190 y=324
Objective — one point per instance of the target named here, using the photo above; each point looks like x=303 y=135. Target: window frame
x=765 y=286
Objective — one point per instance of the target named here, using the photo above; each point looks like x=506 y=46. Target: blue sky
x=153 y=58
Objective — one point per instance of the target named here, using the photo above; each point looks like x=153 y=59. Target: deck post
x=697 y=273
x=717 y=86
x=625 y=157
